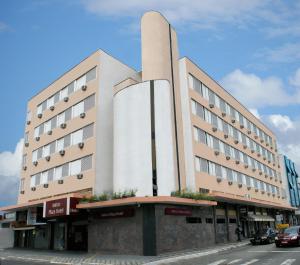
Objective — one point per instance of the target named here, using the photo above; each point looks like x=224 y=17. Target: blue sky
x=251 y=47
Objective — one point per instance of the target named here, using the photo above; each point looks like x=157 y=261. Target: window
x=195 y=84
x=67 y=140
x=80 y=82
x=21 y=188
x=59 y=144
x=34 y=156
x=77 y=109
x=44 y=177
x=24 y=160
x=75 y=167
x=47 y=126
x=46 y=150
x=63 y=93
x=40 y=153
x=77 y=137
x=50 y=174
x=37 y=179
x=212 y=168
x=52 y=147
x=71 y=88
x=220 y=220
x=205 y=92
x=193 y=220
x=28 y=116
x=209 y=140
x=39 y=109
x=50 y=102
x=53 y=123
x=232 y=220
x=209 y=220
x=32 y=181
x=60 y=118
x=58 y=173
x=26 y=138
x=91 y=75
x=36 y=132
x=65 y=170
x=68 y=114
x=86 y=163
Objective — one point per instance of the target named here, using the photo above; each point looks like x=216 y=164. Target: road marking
x=274 y=251
x=288 y=262
x=250 y=262
x=234 y=261
x=217 y=262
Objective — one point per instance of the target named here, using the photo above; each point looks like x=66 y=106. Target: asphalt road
x=20 y=262
x=254 y=255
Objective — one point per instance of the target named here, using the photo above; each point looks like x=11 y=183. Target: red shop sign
x=178 y=211
x=60 y=207
x=116 y=214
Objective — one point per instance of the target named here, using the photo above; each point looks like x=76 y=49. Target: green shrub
x=191 y=195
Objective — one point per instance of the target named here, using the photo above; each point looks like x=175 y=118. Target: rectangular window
x=36 y=132
x=193 y=106
x=193 y=220
x=232 y=220
x=24 y=160
x=67 y=140
x=50 y=174
x=60 y=118
x=47 y=126
x=197 y=164
x=211 y=168
x=209 y=220
x=28 y=116
x=56 y=97
x=40 y=153
x=229 y=174
x=59 y=144
x=220 y=220
x=199 y=111
x=21 y=188
x=71 y=88
x=65 y=170
x=91 y=75
x=76 y=137
x=80 y=82
x=211 y=97
x=46 y=150
x=216 y=144
x=44 y=177
x=50 y=102
x=37 y=179
x=68 y=114
x=63 y=93
x=39 y=109
x=222 y=105
x=205 y=91
x=52 y=147
x=58 y=173
x=53 y=122
x=89 y=103
x=75 y=167
x=209 y=141
x=77 y=109
x=86 y=163
x=32 y=181
x=34 y=156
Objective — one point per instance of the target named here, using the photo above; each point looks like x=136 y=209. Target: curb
x=195 y=255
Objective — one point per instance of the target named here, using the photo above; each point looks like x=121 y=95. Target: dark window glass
x=232 y=220
x=209 y=220
x=193 y=220
x=221 y=221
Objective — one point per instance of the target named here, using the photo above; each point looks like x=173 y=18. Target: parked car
x=264 y=236
x=288 y=237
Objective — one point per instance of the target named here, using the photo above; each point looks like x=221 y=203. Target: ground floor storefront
x=138 y=226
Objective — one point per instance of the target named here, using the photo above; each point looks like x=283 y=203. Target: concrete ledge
x=146 y=200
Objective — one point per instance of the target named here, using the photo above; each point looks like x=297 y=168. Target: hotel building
x=103 y=127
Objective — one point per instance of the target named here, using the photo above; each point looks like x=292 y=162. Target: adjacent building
x=104 y=127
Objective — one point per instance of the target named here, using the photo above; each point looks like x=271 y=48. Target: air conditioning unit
x=52 y=108
x=262 y=140
x=242 y=126
x=273 y=194
x=269 y=193
x=246 y=166
x=255 y=136
x=84 y=87
x=46 y=185
x=62 y=152
x=249 y=132
x=278 y=196
x=219 y=179
x=258 y=154
x=66 y=99
x=81 y=145
x=240 y=185
x=22 y=191
x=26 y=144
x=266 y=176
x=233 y=120
x=225 y=135
x=28 y=122
x=253 y=169
x=47 y=158
x=82 y=115
x=40 y=115
x=79 y=176
x=273 y=164
x=271 y=177
x=276 y=150
x=214 y=128
x=35 y=163
x=63 y=125
x=230 y=182
x=276 y=179
x=245 y=146
x=260 y=173
x=236 y=141
x=271 y=147
x=280 y=181
x=24 y=167
x=49 y=132
x=248 y=187
x=237 y=162
x=211 y=105
x=256 y=189
x=262 y=192
x=37 y=138
x=33 y=188
x=282 y=197
x=267 y=144
x=227 y=157
x=217 y=152
x=264 y=158
x=223 y=114
x=269 y=161
x=60 y=181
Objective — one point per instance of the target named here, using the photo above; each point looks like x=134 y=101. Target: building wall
x=203 y=180
x=6 y=238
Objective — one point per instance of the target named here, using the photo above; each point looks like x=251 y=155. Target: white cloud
x=256 y=92
x=255 y=113
x=204 y=13
x=287 y=53
x=10 y=167
x=10 y=163
x=282 y=122
x=295 y=80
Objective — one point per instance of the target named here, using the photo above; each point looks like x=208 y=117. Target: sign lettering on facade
x=178 y=211
x=61 y=207
x=116 y=214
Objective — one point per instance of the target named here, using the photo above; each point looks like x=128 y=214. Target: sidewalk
x=83 y=258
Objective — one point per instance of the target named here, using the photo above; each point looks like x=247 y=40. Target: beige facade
x=218 y=146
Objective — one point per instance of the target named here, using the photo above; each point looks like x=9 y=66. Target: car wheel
x=277 y=245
